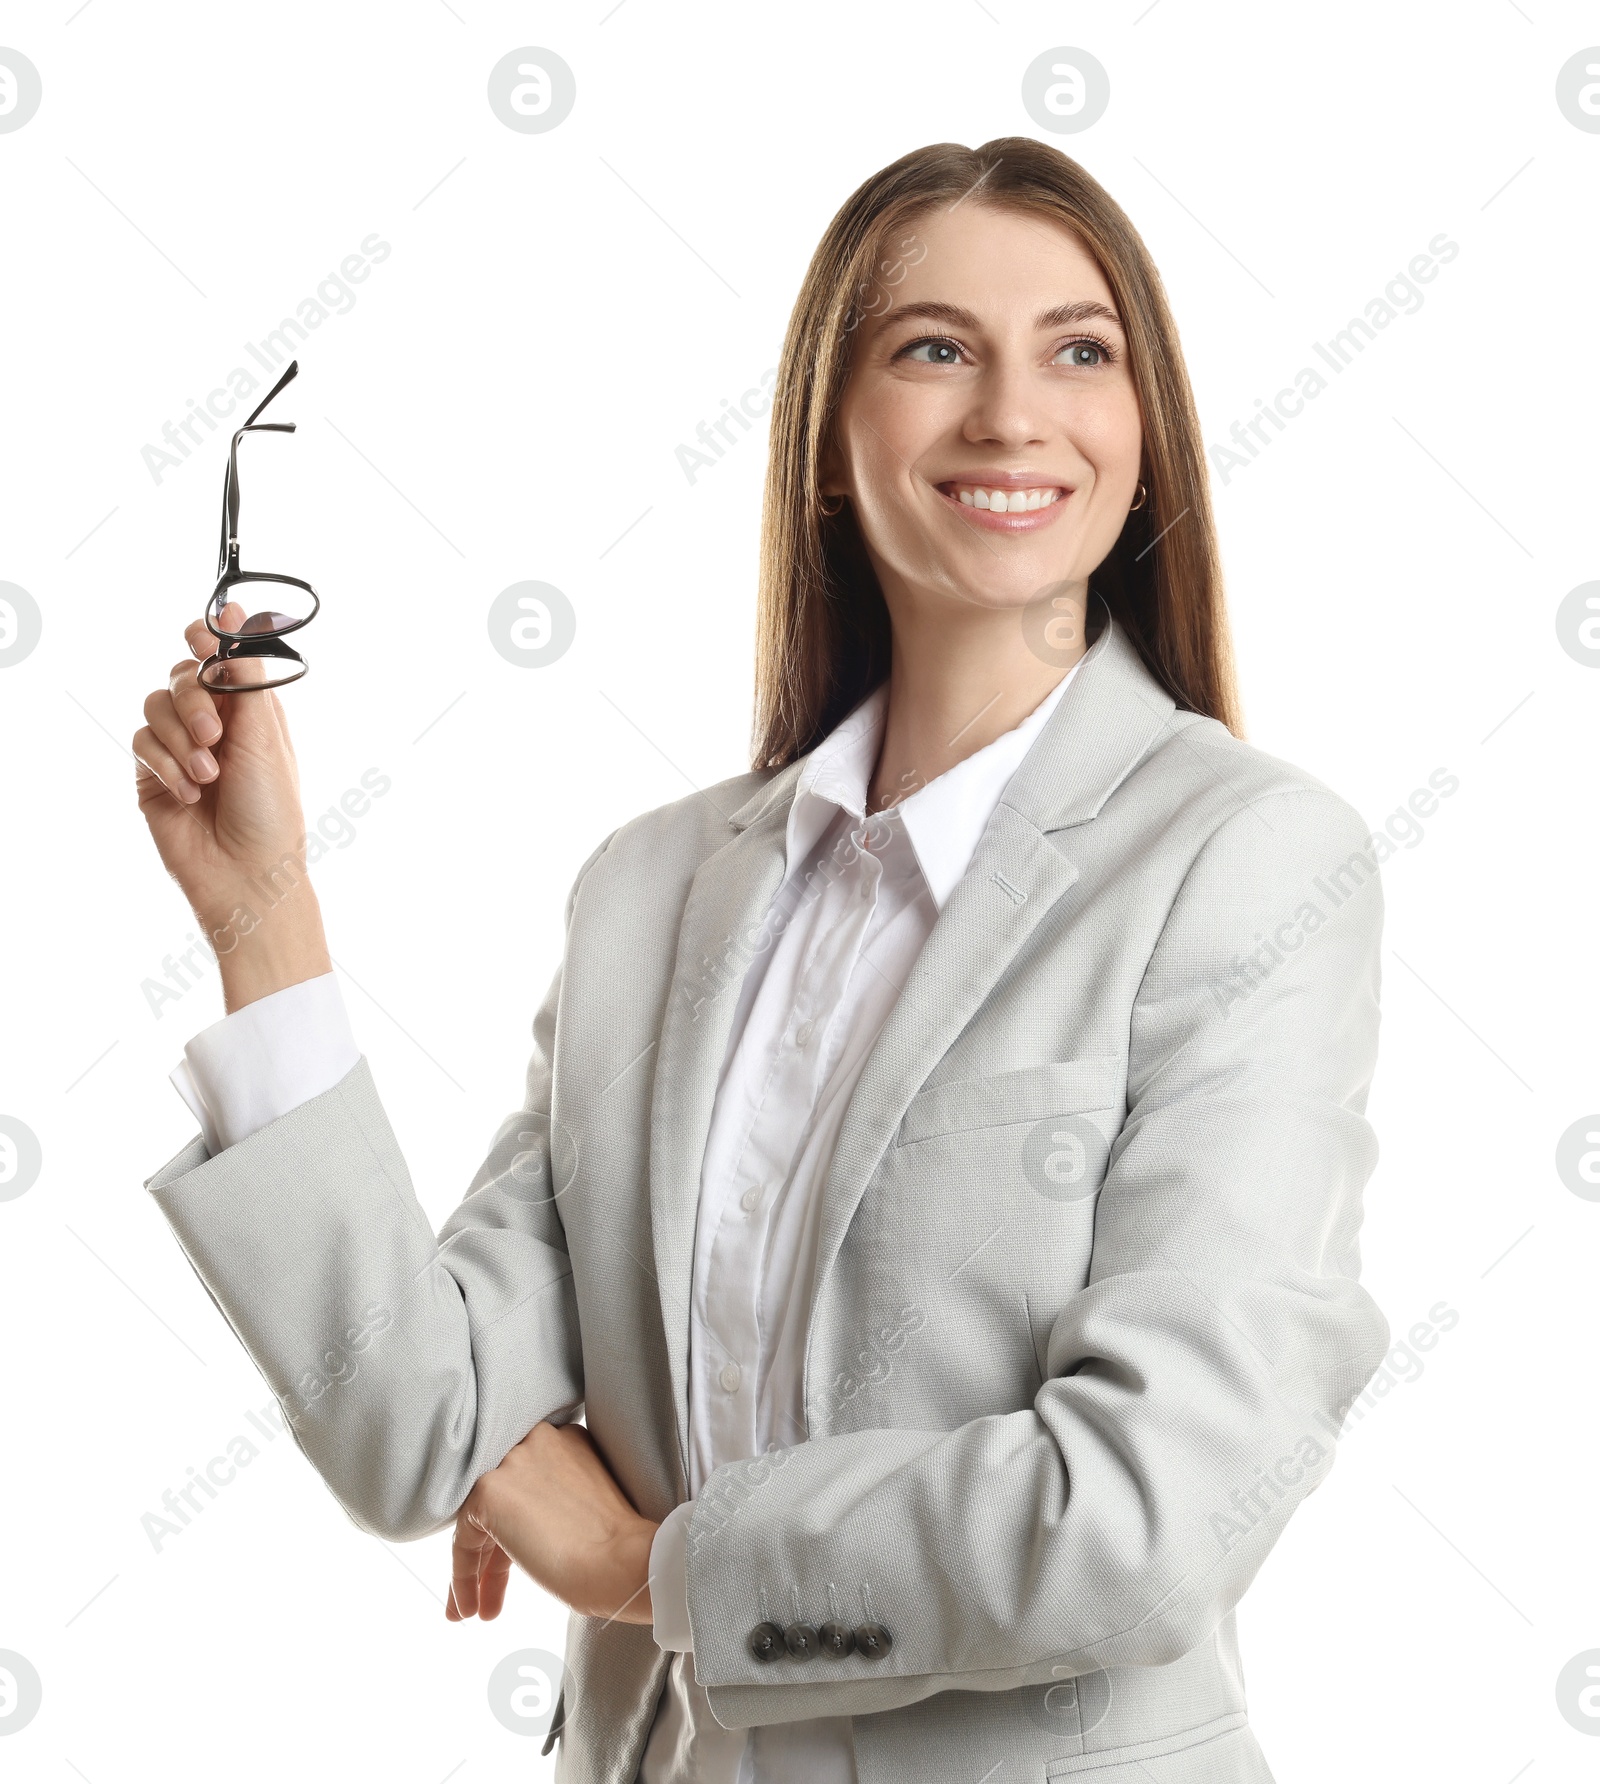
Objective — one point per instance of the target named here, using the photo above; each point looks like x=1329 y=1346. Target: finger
x=157 y=768
x=196 y=709
x=172 y=734
x=201 y=640
x=492 y=1585
x=467 y=1556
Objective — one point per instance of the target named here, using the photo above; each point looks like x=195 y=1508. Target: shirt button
x=730 y=1377
x=803 y=1033
x=750 y=1200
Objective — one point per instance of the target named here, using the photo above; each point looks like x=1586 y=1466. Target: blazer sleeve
x=407 y=1365
x=1194 y=1387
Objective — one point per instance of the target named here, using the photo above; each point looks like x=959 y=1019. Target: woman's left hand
x=553 y=1508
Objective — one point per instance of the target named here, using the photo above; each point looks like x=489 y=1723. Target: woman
x=939 y=1174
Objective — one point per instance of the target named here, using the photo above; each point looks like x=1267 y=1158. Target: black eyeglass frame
x=234 y=646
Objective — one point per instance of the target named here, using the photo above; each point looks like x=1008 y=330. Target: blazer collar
x=1102 y=729
x=1107 y=724
x=770 y=794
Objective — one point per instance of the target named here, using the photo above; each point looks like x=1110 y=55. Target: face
x=997 y=372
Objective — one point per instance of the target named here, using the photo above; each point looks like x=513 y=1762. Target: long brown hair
x=822 y=628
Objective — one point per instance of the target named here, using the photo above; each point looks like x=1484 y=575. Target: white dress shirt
x=859 y=897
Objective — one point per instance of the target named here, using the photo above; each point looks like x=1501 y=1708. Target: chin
x=1011 y=593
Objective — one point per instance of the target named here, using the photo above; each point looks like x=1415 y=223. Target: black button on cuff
x=838 y=1639
x=766 y=1641
x=873 y=1641
x=802 y=1641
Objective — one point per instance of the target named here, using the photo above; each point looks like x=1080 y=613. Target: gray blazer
x=1085 y=1318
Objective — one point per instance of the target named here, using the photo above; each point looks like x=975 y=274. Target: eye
x=941 y=351
x=1088 y=351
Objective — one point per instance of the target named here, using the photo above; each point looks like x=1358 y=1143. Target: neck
x=960 y=676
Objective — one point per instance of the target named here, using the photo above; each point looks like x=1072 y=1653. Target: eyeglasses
x=256 y=655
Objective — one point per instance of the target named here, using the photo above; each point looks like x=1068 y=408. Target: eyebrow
x=1062 y=316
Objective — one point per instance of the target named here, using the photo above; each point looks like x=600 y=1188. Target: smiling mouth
x=1006 y=510
x=1003 y=501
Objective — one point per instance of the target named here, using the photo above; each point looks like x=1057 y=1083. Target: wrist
x=631 y=1568
x=271 y=939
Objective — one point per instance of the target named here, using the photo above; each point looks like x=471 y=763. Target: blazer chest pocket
x=1055 y=1121
x=983 y=1208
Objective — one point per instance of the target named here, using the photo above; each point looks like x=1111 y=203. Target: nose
x=1008 y=407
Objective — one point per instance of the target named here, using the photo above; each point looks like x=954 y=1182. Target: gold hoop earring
x=1143 y=497
x=823 y=508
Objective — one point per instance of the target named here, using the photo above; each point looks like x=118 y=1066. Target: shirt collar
x=944 y=819
x=835 y=776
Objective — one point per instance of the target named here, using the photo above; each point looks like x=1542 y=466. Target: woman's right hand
x=220 y=790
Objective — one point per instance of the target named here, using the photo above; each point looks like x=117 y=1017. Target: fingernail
x=203 y=765
x=206 y=727
x=188 y=792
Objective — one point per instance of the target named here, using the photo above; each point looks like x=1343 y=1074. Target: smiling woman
x=1061 y=322
x=930 y=1250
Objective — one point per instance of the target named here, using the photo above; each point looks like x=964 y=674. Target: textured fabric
x=1084 y=1316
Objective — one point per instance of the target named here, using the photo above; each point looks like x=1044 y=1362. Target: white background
x=503 y=402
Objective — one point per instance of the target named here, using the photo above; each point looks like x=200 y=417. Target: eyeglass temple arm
x=230 y=484
x=288 y=377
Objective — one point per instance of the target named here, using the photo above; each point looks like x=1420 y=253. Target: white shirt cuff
x=266 y=1059
x=669 y=1580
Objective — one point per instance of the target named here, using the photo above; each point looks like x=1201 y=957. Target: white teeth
x=1000 y=501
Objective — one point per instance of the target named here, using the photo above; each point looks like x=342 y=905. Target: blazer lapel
x=1015 y=877
x=728 y=899
x=1106 y=723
